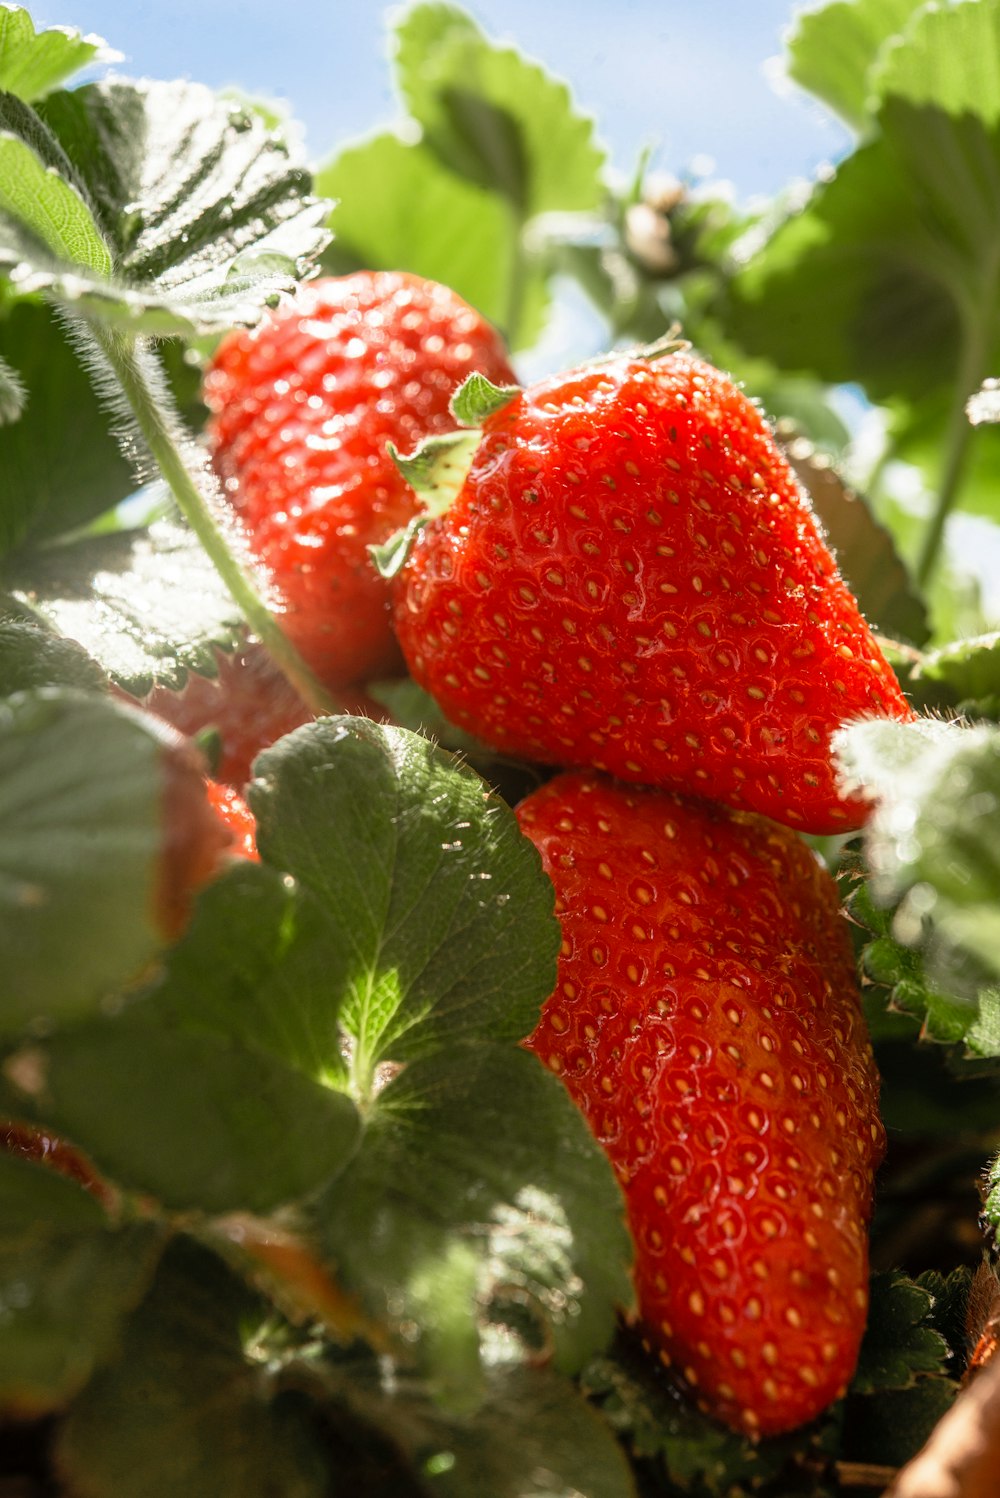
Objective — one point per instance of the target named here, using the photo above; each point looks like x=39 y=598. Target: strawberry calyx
x=435 y=470
x=477 y=398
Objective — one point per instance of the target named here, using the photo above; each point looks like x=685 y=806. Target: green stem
x=971 y=373
x=518 y=277
x=140 y=379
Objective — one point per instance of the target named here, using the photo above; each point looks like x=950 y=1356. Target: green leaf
x=184 y=1409
x=148 y=605
x=196 y=1120
x=889 y=1428
x=33 y=657
x=478 y=398
x=67 y=1281
x=949 y=60
x=542 y=1215
x=437 y=468
x=874 y=240
x=32 y=63
x=12 y=394
x=495 y=117
x=397 y=208
x=865 y=551
x=254 y=966
x=39 y=191
x=207 y=214
x=533 y=1437
x=965 y=669
x=81 y=785
x=656 y=1422
x=443 y=917
x=832 y=50
x=991 y=1204
x=59 y=464
x=933 y=838
x=900 y=1343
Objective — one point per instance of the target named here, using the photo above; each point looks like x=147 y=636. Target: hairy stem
x=194 y=487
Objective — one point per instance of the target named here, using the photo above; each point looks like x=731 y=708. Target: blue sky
x=687 y=74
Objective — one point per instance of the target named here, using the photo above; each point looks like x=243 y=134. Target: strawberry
x=236 y=817
x=249 y=704
x=706 y=1019
x=303 y=406
x=631 y=578
x=202 y=823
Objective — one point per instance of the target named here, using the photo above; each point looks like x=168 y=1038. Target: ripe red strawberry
x=706 y=1019
x=631 y=578
x=249 y=704
x=303 y=406
x=236 y=817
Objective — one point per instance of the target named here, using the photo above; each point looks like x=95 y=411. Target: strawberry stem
x=195 y=488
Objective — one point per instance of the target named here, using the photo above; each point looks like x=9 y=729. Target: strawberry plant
x=390 y=1100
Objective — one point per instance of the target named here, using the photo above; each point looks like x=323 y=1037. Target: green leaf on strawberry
x=33 y=63
x=189 y=1404
x=441 y=914
x=134 y=149
x=493 y=116
x=477 y=1153
x=148 y=605
x=197 y=1120
x=68 y=1279
x=963 y=672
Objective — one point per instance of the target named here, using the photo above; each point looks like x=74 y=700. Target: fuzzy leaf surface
x=148 y=605
x=80 y=805
x=183 y=1409
x=59 y=464
x=533 y=1436
x=67 y=1281
x=33 y=63
x=900 y=1343
x=31 y=657
x=195 y=1119
x=254 y=966
x=541 y=1216
x=443 y=918
x=207 y=214
x=833 y=48
x=493 y=116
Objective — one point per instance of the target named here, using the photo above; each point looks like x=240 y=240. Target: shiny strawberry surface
x=631 y=578
x=302 y=407
x=707 y=1021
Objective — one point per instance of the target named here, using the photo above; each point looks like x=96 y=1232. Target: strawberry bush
x=289 y=1204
